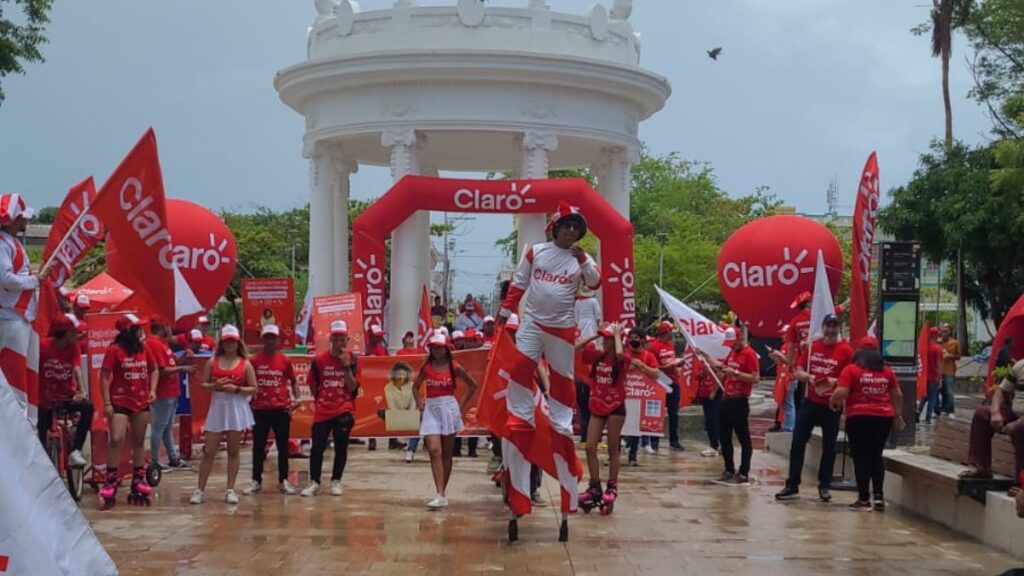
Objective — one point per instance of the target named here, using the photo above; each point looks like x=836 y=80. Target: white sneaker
x=197 y=497
x=409 y=455
x=437 y=503
x=75 y=459
x=230 y=497
x=285 y=487
x=709 y=452
x=336 y=489
x=312 y=490
x=253 y=488
x=649 y=450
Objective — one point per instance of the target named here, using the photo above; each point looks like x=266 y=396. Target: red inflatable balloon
x=764 y=265
x=204 y=250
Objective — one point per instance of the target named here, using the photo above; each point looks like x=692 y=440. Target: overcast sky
x=803 y=91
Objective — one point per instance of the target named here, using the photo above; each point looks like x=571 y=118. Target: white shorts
x=441 y=417
x=228 y=413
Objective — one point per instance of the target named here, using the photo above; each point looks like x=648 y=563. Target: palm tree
x=947 y=16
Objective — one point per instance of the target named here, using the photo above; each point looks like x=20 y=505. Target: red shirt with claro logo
x=870 y=391
x=274 y=375
x=129 y=384
x=827 y=361
x=439 y=382
x=745 y=361
x=608 y=390
x=332 y=398
x=57 y=372
x=163 y=357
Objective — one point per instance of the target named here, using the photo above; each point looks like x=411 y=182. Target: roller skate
x=591 y=498
x=610 y=495
x=141 y=494
x=108 y=492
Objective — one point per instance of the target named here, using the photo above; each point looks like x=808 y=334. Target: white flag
x=700 y=332
x=821 y=303
x=305 y=315
x=42 y=531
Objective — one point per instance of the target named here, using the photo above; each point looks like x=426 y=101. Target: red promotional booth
x=412 y=193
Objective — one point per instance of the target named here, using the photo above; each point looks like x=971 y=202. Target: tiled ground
x=670 y=520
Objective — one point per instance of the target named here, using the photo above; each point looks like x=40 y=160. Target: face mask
x=634 y=343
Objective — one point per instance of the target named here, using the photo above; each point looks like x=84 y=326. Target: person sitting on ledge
x=998 y=418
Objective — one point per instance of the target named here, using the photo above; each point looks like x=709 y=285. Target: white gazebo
x=468 y=87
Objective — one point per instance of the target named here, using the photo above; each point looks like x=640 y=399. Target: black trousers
x=672 y=404
x=279 y=421
x=535 y=478
x=809 y=415
x=341 y=427
x=472 y=442
x=733 y=417
x=84 y=410
x=712 y=408
x=868 y=435
x=583 y=405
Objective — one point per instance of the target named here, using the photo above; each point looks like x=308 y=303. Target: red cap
x=868 y=342
x=157 y=319
x=376 y=330
x=127 y=321
x=566 y=211
x=61 y=324
x=470 y=334
x=730 y=337
x=339 y=327
x=664 y=327
x=229 y=332
x=800 y=299
x=933 y=331
x=607 y=331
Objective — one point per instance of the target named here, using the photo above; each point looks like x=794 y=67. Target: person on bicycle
x=61 y=386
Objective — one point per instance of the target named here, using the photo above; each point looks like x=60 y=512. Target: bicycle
x=58 y=448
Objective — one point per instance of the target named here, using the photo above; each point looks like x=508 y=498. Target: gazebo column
x=535 y=146
x=321 y=203
x=342 y=168
x=406 y=240
x=616 y=176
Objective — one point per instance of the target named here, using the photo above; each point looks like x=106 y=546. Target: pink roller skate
x=108 y=492
x=591 y=498
x=141 y=494
x=610 y=495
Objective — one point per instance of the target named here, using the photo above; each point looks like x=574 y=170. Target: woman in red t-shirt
x=873 y=406
x=607 y=404
x=128 y=380
x=231 y=379
x=442 y=413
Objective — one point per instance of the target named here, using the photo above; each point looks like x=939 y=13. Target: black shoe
x=879 y=503
x=740 y=480
x=632 y=462
x=726 y=476
x=824 y=495
x=472 y=454
x=372 y=444
x=678 y=448
x=860 y=506
x=788 y=493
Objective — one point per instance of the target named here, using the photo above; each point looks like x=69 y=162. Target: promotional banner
x=131 y=204
x=75 y=231
x=42 y=530
x=923 y=342
x=766 y=263
x=1011 y=326
x=105 y=293
x=700 y=332
x=327 y=309
x=374 y=374
x=821 y=302
x=268 y=301
x=865 y=215
x=645 y=405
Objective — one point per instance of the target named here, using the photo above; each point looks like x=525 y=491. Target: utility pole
x=662 y=237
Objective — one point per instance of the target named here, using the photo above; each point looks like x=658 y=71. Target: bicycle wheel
x=75 y=480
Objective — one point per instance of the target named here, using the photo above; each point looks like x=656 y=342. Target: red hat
x=127 y=321
x=607 y=331
x=868 y=342
x=730 y=337
x=339 y=327
x=12 y=208
x=82 y=301
x=157 y=320
x=376 y=330
x=664 y=327
x=512 y=323
x=61 y=324
x=933 y=331
x=229 y=332
x=437 y=339
x=566 y=211
x=800 y=299
x=195 y=335
x=471 y=334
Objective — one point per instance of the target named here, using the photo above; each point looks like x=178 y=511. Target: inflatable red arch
x=412 y=193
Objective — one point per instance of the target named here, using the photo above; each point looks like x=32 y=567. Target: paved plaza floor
x=670 y=519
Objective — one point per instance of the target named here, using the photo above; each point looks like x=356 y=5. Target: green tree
x=950 y=204
x=996 y=32
x=45 y=215
x=20 y=42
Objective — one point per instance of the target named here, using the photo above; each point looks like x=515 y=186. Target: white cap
x=443 y=330
x=204 y=319
x=729 y=337
x=437 y=339
x=82 y=301
x=229 y=332
x=513 y=321
x=270 y=329
x=488 y=319
x=195 y=335
x=376 y=330
x=458 y=335
x=339 y=327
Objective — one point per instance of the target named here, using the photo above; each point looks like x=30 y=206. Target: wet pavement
x=670 y=519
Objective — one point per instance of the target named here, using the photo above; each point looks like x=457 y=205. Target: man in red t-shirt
x=934 y=377
x=332 y=381
x=645 y=361
x=665 y=350
x=408 y=346
x=168 y=389
x=277 y=396
x=377 y=346
x=60 y=384
x=740 y=371
x=819 y=371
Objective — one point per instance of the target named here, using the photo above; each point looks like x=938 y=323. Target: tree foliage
x=21 y=39
x=996 y=32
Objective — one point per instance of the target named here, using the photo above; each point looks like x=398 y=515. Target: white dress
x=229 y=412
x=441 y=417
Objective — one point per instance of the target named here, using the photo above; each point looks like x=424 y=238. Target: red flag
x=131 y=205
x=423 y=328
x=75 y=231
x=1012 y=325
x=865 y=215
x=923 y=343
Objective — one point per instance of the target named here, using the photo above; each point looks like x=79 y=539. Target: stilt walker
x=552 y=272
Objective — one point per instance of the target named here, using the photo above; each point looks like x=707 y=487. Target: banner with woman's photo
x=268 y=301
